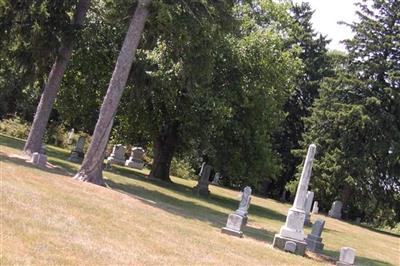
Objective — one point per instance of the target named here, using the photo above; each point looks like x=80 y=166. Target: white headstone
x=315 y=208
x=39 y=159
x=118 y=155
x=347 y=255
x=136 y=158
x=307 y=207
x=70 y=136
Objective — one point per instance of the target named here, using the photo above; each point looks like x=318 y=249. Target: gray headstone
x=314 y=240
x=290 y=246
x=244 y=202
x=336 y=210
x=318 y=227
x=202 y=186
x=347 y=256
x=77 y=153
x=216 y=178
x=80 y=144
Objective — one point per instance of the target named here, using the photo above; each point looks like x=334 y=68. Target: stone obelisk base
x=286 y=244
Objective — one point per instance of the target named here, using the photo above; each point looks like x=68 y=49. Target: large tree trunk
x=89 y=170
x=36 y=133
x=164 y=148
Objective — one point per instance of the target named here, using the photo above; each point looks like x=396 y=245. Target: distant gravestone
x=201 y=189
x=307 y=207
x=136 y=158
x=315 y=208
x=39 y=159
x=347 y=256
x=117 y=155
x=77 y=153
x=216 y=178
x=336 y=210
x=70 y=137
x=314 y=240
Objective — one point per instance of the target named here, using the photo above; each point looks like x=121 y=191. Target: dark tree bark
x=37 y=131
x=164 y=149
x=89 y=171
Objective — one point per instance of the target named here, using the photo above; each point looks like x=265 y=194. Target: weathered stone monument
x=77 y=153
x=117 y=155
x=70 y=137
x=216 y=178
x=336 y=210
x=238 y=219
x=39 y=159
x=201 y=189
x=244 y=204
x=136 y=158
x=347 y=256
x=293 y=229
x=307 y=207
x=315 y=208
x=314 y=240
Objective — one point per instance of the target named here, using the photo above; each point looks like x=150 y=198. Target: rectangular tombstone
x=307 y=207
x=336 y=210
x=315 y=208
x=39 y=159
x=233 y=225
x=347 y=256
x=314 y=240
x=77 y=153
x=201 y=189
x=118 y=155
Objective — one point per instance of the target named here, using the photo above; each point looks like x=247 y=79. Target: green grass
x=48 y=218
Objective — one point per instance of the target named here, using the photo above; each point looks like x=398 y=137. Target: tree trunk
x=164 y=149
x=89 y=170
x=347 y=192
x=37 y=131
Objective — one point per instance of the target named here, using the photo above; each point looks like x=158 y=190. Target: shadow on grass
x=187 y=209
x=221 y=201
x=24 y=163
x=359 y=260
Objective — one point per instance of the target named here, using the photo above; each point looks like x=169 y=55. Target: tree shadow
x=22 y=162
x=218 y=200
x=186 y=208
x=334 y=255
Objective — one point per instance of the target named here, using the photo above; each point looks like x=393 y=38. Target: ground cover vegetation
x=48 y=218
x=245 y=85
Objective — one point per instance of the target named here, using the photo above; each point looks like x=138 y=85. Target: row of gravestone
x=117 y=155
x=291 y=237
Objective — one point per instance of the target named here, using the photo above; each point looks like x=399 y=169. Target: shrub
x=57 y=135
x=181 y=168
x=15 y=127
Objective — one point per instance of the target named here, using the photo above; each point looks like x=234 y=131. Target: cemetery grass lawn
x=48 y=218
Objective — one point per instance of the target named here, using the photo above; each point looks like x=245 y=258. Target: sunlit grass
x=48 y=218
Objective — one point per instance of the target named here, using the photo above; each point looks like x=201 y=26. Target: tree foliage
x=355 y=123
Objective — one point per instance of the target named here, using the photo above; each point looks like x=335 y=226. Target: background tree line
x=246 y=84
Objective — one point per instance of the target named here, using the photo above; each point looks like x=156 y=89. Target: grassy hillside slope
x=48 y=218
